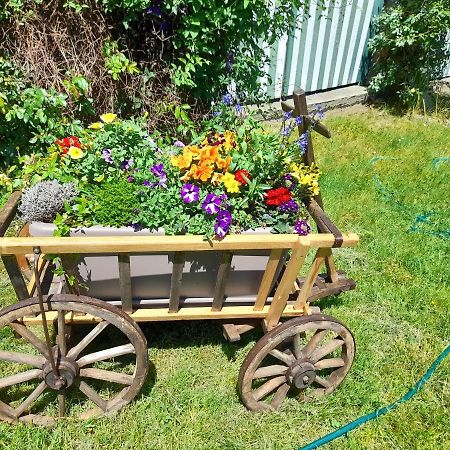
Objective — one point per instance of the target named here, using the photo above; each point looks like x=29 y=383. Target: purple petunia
x=302 y=227
x=227 y=99
x=130 y=179
x=147 y=183
x=160 y=173
x=126 y=164
x=211 y=204
x=223 y=223
x=189 y=193
x=179 y=144
x=106 y=154
x=290 y=206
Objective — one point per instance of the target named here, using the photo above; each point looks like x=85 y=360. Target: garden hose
x=379 y=412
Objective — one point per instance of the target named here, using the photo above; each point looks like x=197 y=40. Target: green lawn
x=386 y=178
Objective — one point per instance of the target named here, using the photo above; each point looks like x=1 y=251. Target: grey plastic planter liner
x=151 y=274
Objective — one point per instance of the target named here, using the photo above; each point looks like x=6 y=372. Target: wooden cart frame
x=310 y=350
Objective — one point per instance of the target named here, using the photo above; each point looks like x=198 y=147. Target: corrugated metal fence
x=327 y=50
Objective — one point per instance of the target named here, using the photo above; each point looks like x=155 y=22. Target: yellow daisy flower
x=75 y=153
x=108 y=117
x=96 y=126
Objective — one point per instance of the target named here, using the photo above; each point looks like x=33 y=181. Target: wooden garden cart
x=42 y=367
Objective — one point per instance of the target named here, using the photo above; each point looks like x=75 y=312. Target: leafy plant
x=409 y=48
x=116 y=62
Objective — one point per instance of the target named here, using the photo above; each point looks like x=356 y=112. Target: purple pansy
x=223 y=223
x=290 y=206
x=106 y=154
x=179 y=144
x=126 y=164
x=227 y=99
x=302 y=227
x=211 y=204
x=189 y=193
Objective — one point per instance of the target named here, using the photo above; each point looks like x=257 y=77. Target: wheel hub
x=301 y=374
x=68 y=370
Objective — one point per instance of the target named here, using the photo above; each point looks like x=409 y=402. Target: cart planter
x=308 y=355
x=150 y=274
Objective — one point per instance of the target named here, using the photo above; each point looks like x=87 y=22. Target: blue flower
x=320 y=112
x=302 y=227
x=227 y=99
x=303 y=142
x=287 y=131
x=298 y=120
x=239 y=108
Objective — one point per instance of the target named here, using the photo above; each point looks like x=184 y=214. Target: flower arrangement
x=232 y=176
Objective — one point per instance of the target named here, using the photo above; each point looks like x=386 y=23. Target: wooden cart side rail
x=8 y=212
x=164 y=244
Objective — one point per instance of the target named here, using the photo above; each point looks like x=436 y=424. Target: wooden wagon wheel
x=306 y=356
x=83 y=374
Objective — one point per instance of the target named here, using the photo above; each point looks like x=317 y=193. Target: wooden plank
x=42 y=267
x=16 y=277
x=222 y=277
x=267 y=280
x=125 y=282
x=192 y=313
x=307 y=285
x=143 y=244
x=175 y=282
x=8 y=212
x=282 y=293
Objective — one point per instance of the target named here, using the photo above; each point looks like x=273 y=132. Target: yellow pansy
x=75 y=153
x=96 y=126
x=230 y=182
x=108 y=117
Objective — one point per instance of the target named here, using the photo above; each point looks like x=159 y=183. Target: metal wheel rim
x=275 y=338
x=112 y=316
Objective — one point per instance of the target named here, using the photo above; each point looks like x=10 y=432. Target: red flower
x=67 y=142
x=242 y=176
x=276 y=197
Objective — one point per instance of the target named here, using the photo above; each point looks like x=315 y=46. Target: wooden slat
x=16 y=277
x=143 y=244
x=8 y=212
x=192 y=313
x=42 y=267
x=175 y=282
x=307 y=285
x=282 y=293
x=267 y=280
x=125 y=282
x=222 y=277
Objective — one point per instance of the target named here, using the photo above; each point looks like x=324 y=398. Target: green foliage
x=31 y=118
x=116 y=62
x=115 y=203
x=409 y=48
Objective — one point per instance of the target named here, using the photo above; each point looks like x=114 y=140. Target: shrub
x=409 y=48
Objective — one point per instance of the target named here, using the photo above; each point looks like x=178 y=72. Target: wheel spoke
x=7 y=411
x=330 y=363
x=269 y=371
x=326 y=349
x=20 y=378
x=22 y=358
x=105 y=354
x=280 y=395
x=268 y=387
x=106 y=375
x=75 y=351
x=61 y=404
x=314 y=342
x=31 y=398
x=93 y=395
x=298 y=346
x=28 y=335
x=287 y=359
x=322 y=381
x=62 y=334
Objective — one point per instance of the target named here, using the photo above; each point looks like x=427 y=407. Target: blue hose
x=379 y=412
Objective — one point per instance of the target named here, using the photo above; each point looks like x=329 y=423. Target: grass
x=386 y=178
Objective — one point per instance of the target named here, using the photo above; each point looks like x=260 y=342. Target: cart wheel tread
x=307 y=356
